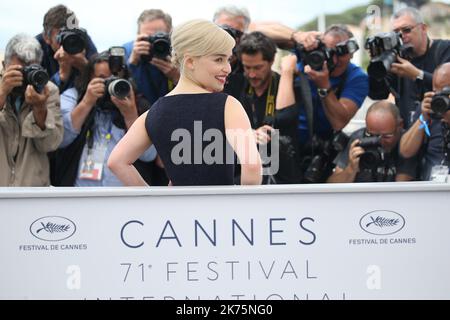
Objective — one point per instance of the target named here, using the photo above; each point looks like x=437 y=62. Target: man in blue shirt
x=337 y=90
x=55 y=19
x=155 y=77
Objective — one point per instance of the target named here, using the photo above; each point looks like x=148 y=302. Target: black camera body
x=325 y=152
x=384 y=48
x=236 y=34
x=115 y=87
x=349 y=46
x=440 y=103
x=317 y=57
x=73 y=41
x=373 y=154
x=34 y=75
x=161 y=46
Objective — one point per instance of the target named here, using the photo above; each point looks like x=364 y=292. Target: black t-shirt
x=411 y=91
x=255 y=106
x=392 y=165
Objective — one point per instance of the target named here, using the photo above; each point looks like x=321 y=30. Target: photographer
x=409 y=80
x=235 y=21
x=150 y=63
x=336 y=89
x=429 y=135
x=61 y=66
x=372 y=154
x=97 y=113
x=30 y=116
x=259 y=90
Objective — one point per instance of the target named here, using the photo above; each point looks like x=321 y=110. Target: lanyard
x=90 y=135
x=270 y=102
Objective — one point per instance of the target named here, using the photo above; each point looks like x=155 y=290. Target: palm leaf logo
x=382 y=222
x=54 y=228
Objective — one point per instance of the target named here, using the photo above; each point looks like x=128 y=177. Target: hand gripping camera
x=161 y=47
x=440 y=103
x=33 y=75
x=373 y=154
x=73 y=41
x=115 y=87
x=384 y=48
x=316 y=58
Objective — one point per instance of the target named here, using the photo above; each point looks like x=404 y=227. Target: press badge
x=93 y=165
x=439 y=174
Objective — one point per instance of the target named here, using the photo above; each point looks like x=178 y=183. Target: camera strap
x=269 y=115
x=304 y=95
x=170 y=85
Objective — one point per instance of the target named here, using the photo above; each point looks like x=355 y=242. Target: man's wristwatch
x=323 y=92
x=420 y=75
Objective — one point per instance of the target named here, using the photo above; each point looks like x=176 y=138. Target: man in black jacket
x=409 y=80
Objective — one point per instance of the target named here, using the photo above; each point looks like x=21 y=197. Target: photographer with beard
x=409 y=80
x=63 y=67
x=30 y=117
x=354 y=164
x=336 y=90
x=429 y=136
x=97 y=113
x=258 y=94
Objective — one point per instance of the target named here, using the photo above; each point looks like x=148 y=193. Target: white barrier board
x=388 y=241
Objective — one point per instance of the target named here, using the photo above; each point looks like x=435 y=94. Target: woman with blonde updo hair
x=196 y=128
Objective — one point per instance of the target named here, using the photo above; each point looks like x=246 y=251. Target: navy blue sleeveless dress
x=177 y=125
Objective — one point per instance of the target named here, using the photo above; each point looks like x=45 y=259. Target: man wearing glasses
x=409 y=80
x=382 y=121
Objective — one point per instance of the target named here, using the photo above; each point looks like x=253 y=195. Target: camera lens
x=119 y=88
x=161 y=48
x=369 y=160
x=38 y=79
x=73 y=44
x=440 y=105
x=316 y=60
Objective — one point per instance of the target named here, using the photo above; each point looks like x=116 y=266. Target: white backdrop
x=387 y=241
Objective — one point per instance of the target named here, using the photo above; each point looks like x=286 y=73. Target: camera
x=349 y=46
x=34 y=75
x=73 y=41
x=325 y=152
x=116 y=60
x=316 y=58
x=373 y=154
x=440 y=103
x=161 y=46
x=236 y=34
x=115 y=87
x=384 y=48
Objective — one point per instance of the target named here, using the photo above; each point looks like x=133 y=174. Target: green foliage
x=353 y=16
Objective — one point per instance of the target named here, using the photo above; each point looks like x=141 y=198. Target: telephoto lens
x=118 y=87
x=73 y=41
